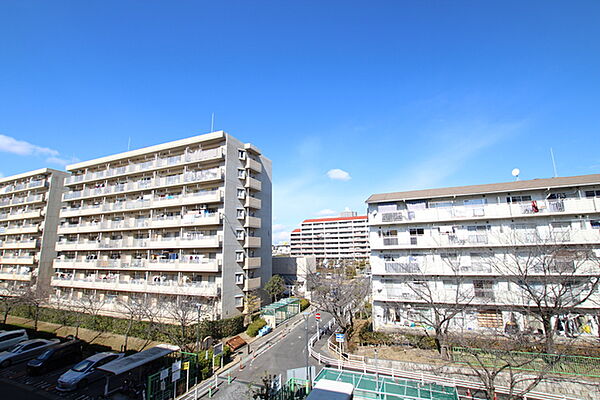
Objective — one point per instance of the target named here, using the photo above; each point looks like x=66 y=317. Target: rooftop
x=335 y=219
x=533 y=184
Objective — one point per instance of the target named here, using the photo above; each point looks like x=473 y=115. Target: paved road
x=288 y=353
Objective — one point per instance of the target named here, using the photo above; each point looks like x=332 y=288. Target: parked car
x=25 y=351
x=9 y=338
x=85 y=372
x=56 y=356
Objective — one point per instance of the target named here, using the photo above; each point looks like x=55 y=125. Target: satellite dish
x=516 y=172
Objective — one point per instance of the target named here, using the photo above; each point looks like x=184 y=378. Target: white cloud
x=327 y=211
x=338 y=174
x=62 y=161
x=20 y=147
x=281 y=237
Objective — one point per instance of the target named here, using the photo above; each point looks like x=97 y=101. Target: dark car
x=56 y=356
x=25 y=351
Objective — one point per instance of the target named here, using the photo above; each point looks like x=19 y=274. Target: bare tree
x=338 y=295
x=550 y=277
x=181 y=313
x=10 y=297
x=34 y=300
x=138 y=309
x=439 y=301
x=91 y=305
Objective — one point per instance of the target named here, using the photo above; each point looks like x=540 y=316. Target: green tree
x=275 y=287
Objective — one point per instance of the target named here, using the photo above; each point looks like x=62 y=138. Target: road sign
x=217 y=349
x=185 y=365
x=318 y=316
x=339 y=337
x=176 y=366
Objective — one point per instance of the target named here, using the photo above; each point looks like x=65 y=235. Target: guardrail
x=346 y=362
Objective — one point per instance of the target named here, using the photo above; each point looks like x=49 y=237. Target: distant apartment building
x=185 y=219
x=332 y=240
x=29 y=207
x=282 y=249
x=422 y=241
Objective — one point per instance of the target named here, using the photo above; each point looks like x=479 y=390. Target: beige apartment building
x=484 y=238
x=332 y=240
x=188 y=219
x=29 y=207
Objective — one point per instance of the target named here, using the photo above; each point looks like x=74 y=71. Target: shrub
x=304 y=303
x=255 y=326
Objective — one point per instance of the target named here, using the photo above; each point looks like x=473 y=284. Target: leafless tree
x=137 y=309
x=550 y=278
x=91 y=305
x=34 y=300
x=181 y=314
x=10 y=297
x=338 y=295
x=438 y=306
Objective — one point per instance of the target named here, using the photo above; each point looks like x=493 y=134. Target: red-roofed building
x=332 y=239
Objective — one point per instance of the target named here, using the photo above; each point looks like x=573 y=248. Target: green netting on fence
x=524 y=361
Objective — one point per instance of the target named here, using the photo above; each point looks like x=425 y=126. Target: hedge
x=304 y=303
x=255 y=326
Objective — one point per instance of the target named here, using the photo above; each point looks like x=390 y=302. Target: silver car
x=25 y=351
x=85 y=372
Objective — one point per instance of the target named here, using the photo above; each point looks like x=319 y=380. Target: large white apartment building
x=186 y=218
x=428 y=238
x=29 y=207
x=332 y=239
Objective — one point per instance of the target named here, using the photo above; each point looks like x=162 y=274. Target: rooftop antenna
x=212 y=123
x=515 y=173
x=129 y=143
x=553 y=163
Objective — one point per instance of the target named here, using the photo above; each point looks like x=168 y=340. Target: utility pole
x=306 y=317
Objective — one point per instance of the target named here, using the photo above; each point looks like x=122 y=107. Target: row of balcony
x=495 y=210
x=186 y=264
x=141 y=286
x=485 y=239
x=20 y=229
x=203 y=155
x=15 y=276
x=17 y=260
x=23 y=186
x=141 y=223
x=253 y=184
x=208 y=175
x=210 y=241
x=22 y=200
x=19 y=244
x=251 y=284
x=253 y=165
x=208 y=196
x=20 y=215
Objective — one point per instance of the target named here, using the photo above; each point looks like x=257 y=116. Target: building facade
x=331 y=240
x=189 y=219
x=29 y=207
x=496 y=242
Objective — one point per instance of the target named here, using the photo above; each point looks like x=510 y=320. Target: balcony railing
x=140 y=285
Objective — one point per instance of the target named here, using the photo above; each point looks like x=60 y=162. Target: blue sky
x=396 y=94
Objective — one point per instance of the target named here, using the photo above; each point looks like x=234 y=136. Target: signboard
x=185 y=365
x=176 y=366
x=217 y=349
x=339 y=337
x=164 y=373
x=176 y=375
x=318 y=316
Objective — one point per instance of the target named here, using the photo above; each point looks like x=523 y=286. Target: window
x=241 y=193
x=241 y=173
x=517 y=199
x=241 y=213
x=239 y=256
x=239 y=301
x=239 y=234
x=592 y=193
x=239 y=278
x=595 y=224
x=241 y=154
x=416 y=231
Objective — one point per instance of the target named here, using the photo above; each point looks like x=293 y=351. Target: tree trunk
x=129 y=325
x=548 y=334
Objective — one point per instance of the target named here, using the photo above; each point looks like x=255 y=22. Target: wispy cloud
x=338 y=174
x=326 y=211
x=11 y=145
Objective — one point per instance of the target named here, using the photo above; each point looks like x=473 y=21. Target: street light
x=376 y=370
x=198 y=305
x=306 y=317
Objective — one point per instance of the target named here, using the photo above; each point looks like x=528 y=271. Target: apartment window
x=592 y=193
x=241 y=214
x=241 y=154
x=414 y=233
x=239 y=278
x=241 y=193
x=239 y=234
x=239 y=256
x=241 y=173
x=517 y=199
x=239 y=301
x=595 y=224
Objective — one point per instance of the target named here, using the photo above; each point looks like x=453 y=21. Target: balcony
x=140 y=286
x=252 y=242
x=20 y=215
x=212 y=196
x=488 y=211
x=22 y=200
x=20 y=244
x=19 y=260
x=253 y=202
x=23 y=186
x=13 y=276
x=253 y=184
x=253 y=165
x=252 y=262
x=251 y=284
x=198 y=156
x=252 y=222
x=207 y=175
x=159 y=243
x=164 y=265
x=17 y=230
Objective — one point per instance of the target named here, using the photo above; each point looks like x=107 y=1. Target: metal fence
x=534 y=362
x=182 y=371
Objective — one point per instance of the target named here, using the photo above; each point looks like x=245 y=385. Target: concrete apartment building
x=335 y=239
x=29 y=207
x=426 y=238
x=188 y=218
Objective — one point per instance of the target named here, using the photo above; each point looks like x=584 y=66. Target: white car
x=9 y=338
x=25 y=351
x=85 y=372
